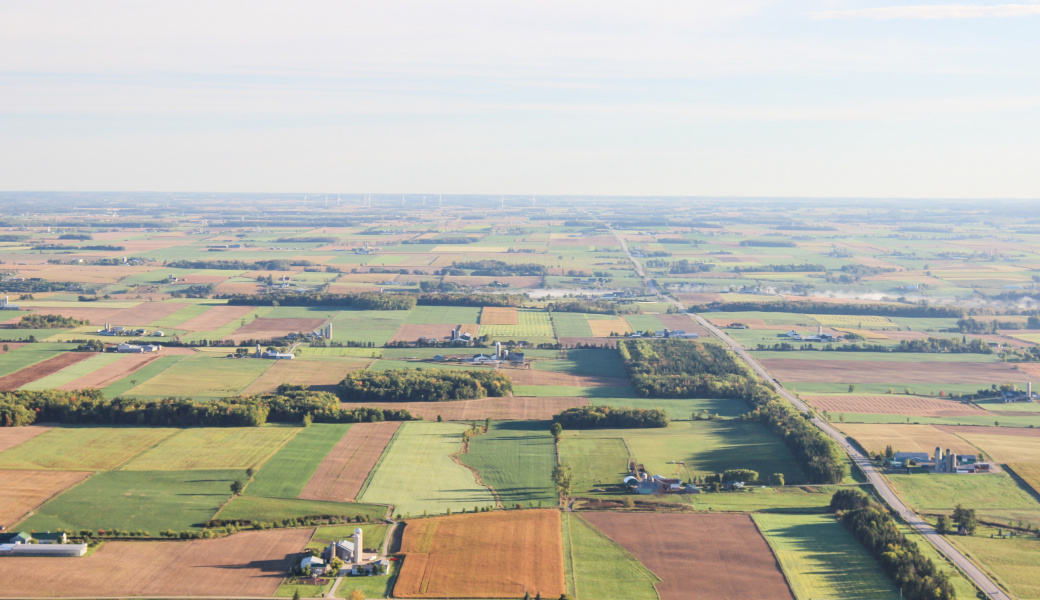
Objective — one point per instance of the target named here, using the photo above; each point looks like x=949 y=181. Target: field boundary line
x=625 y=551
x=174 y=431
x=262 y=373
x=1035 y=493
x=379 y=463
x=183 y=356
x=776 y=555
x=46 y=501
x=569 y=542
x=256 y=468
x=476 y=474
x=342 y=472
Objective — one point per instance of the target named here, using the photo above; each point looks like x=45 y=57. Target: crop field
x=605 y=327
x=915 y=406
x=77 y=370
x=443 y=315
x=1029 y=472
x=856 y=321
x=23 y=491
x=12 y=436
x=600 y=569
x=494 y=315
x=1001 y=445
x=345 y=466
x=286 y=473
x=585 y=362
x=485 y=555
x=258 y=509
x=265 y=328
x=214 y=318
x=141 y=373
x=21 y=356
x=214 y=448
x=320 y=373
x=204 y=375
x=908 y=372
x=250 y=563
x=376 y=326
x=823 y=560
x=510 y=407
x=571 y=325
x=943 y=492
x=416 y=473
x=522 y=377
x=594 y=461
x=42 y=369
x=111 y=371
x=905 y=438
x=1014 y=561
x=680 y=409
x=737 y=563
x=138 y=500
x=409 y=332
x=530 y=324
x=82 y=448
x=516 y=459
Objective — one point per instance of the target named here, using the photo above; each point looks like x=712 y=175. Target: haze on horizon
x=841 y=98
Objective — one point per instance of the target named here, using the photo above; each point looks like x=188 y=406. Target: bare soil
x=41 y=369
x=340 y=476
x=216 y=317
x=895 y=405
x=23 y=491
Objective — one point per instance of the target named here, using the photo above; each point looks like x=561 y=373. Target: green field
x=516 y=459
x=594 y=461
x=1014 y=561
x=83 y=448
x=443 y=315
x=287 y=472
x=529 y=324
x=822 y=560
x=30 y=354
x=228 y=328
x=256 y=509
x=794 y=499
x=376 y=326
x=416 y=473
x=933 y=491
x=591 y=362
x=138 y=500
x=73 y=372
x=141 y=375
x=600 y=569
x=574 y=391
x=571 y=325
x=214 y=448
x=203 y=375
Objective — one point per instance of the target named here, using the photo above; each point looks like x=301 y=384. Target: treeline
x=830 y=308
x=290 y=404
x=280 y=264
x=358 y=300
x=684 y=266
x=594 y=307
x=971 y=325
x=498 y=268
x=455 y=239
x=768 y=243
x=307 y=240
x=912 y=572
x=76 y=236
x=609 y=417
x=419 y=385
x=437 y=299
x=792 y=268
x=38 y=321
x=32 y=286
x=927 y=346
x=682 y=369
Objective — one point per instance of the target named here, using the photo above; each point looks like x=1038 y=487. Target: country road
x=968 y=568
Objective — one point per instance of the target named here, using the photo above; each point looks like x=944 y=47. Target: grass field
x=416 y=472
x=594 y=461
x=141 y=375
x=214 y=448
x=571 y=325
x=138 y=500
x=443 y=315
x=29 y=354
x=1014 y=561
x=516 y=459
x=600 y=569
x=557 y=391
x=376 y=326
x=83 y=448
x=288 y=471
x=856 y=321
x=530 y=323
x=203 y=375
x=934 y=491
x=822 y=560
x=256 y=509
x=591 y=362
x=73 y=372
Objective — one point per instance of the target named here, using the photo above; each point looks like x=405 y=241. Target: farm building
x=1010 y=396
x=136 y=349
x=315 y=564
x=656 y=484
x=43 y=549
x=949 y=462
x=7 y=305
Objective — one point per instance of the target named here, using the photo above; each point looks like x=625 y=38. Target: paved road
x=980 y=579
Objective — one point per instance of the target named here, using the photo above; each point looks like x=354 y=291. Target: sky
x=788 y=98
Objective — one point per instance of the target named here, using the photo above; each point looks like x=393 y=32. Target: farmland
x=346 y=466
x=515 y=459
x=23 y=491
x=286 y=473
x=488 y=555
x=82 y=448
x=600 y=569
x=213 y=448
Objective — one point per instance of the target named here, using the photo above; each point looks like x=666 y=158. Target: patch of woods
x=971 y=325
x=830 y=308
x=420 y=385
x=927 y=346
x=498 y=268
x=357 y=301
x=913 y=573
x=279 y=264
x=38 y=321
x=289 y=404
x=594 y=307
x=671 y=368
x=609 y=417
x=791 y=268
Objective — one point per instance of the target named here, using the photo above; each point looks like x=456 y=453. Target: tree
x=889 y=453
x=356 y=595
x=250 y=472
x=335 y=564
x=848 y=499
x=778 y=479
x=943 y=524
x=296 y=594
x=561 y=476
x=965 y=517
x=852 y=388
x=237 y=487
x=556 y=430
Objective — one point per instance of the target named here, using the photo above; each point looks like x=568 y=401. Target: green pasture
x=822 y=560
x=228 y=328
x=870 y=388
x=376 y=326
x=930 y=491
x=962 y=586
x=351 y=352
x=23 y=356
x=769 y=318
x=1013 y=561
x=417 y=475
x=443 y=315
x=83 y=448
x=925 y=323
x=600 y=569
x=73 y=372
x=372 y=534
x=269 y=510
x=529 y=324
x=142 y=375
x=388 y=365
x=788 y=499
x=571 y=324
x=594 y=461
x=1025 y=408
x=203 y=376
x=149 y=501
x=376 y=586
x=679 y=409
x=213 y=448
x=23 y=335
x=516 y=459
x=289 y=590
x=590 y=362
x=286 y=473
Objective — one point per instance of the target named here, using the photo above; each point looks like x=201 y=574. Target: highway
x=968 y=568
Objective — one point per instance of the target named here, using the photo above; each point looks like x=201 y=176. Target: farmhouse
x=315 y=564
x=1010 y=396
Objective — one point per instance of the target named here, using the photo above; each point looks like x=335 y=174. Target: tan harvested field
x=91 y=274
x=145 y=313
x=216 y=317
x=23 y=491
x=753 y=324
x=96 y=316
x=235 y=287
x=604 y=327
x=905 y=335
x=595 y=341
x=483 y=555
x=126 y=365
x=41 y=369
x=340 y=476
x=12 y=436
x=513 y=407
x=599 y=241
x=905 y=438
x=1002 y=432
x=1000 y=447
x=498 y=315
x=933 y=373
x=263 y=329
x=683 y=323
x=412 y=332
x=538 y=377
x=884 y=404
x=250 y=563
x=718 y=556
x=321 y=374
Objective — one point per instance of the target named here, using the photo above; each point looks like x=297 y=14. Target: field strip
x=73 y=372
x=41 y=369
x=287 y=472
x=12 y=436
x=229 y=328
x=358 y=453
x=189 y=311
x=25 y=490
x=117 y=389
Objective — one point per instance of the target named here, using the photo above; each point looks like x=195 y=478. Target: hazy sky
x=683 y=97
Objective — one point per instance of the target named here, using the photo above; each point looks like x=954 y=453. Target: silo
x=357 y=546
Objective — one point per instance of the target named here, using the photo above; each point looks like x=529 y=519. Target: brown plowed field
x=911 y=406
x=412 y=332
x=12 y=436
x=682 y=323
x=321 y=375
x=216 y=317
x=262 y=329
x=698 y=555
x=41 y=369
x=498 y=315
x=340 y=476
x=483 y=555
x=516 y=407
x=905 y=438
x=235 y=287
x=538 y=377
x=250 y=563
x=126 y=365
x=853 y=371
x=608 y=342
x=96 y=316
x=23 y=491
x=604 y=327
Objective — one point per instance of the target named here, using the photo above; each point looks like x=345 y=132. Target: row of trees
x=498 y=268
x=609 y=417
x=358 y=301
x=928 y=346
x=830 y=308
x=420 y=385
